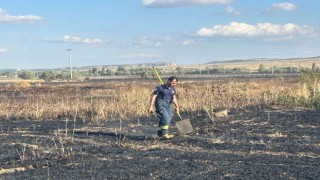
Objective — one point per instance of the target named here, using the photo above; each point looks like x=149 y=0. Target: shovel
x=184 y=126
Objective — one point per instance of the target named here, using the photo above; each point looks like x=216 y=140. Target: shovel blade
x=184 y=126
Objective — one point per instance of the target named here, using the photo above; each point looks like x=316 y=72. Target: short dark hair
x=172 y=78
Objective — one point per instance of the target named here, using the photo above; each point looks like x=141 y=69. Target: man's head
x=172 y=81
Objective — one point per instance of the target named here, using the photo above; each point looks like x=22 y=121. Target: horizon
x=37 y=35
x=153 y=63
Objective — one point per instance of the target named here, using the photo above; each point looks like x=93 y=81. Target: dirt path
x=251 y=143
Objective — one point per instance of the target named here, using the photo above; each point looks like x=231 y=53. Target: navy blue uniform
x=164 y=107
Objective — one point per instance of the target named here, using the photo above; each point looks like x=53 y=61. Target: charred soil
x=250 y=143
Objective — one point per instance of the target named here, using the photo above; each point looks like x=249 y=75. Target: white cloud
x=3 y=50
x=4 y=17
x=236 y=29
x=147 y=41
x=167 y=38
x=77 y=39
x=68 y=38
x=139 y=55
x=93 y=41
x=158 y=44
x=187 y=42
x=232 y=10
x=168 y=3
x=285 y=6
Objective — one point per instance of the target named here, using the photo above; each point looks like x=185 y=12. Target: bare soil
x=250 y=143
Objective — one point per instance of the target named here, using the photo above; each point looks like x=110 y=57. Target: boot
x=166 y=136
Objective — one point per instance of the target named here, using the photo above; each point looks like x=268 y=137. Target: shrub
x=22 y=85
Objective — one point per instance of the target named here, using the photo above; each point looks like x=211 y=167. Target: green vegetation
x=307 y=93
x=147 y=72
x=26 y=75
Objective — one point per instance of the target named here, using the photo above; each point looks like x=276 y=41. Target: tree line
x=51 y=75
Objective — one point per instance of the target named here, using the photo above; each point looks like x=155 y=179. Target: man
x=162 y=98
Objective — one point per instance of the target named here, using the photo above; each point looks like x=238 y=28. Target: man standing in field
x=162 y=98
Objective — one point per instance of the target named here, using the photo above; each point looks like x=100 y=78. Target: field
x=253 y=65
x=102 y=131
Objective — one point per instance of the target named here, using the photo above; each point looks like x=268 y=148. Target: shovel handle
x=156 y=72
x=179 y=115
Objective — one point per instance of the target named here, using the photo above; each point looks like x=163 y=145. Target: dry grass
x=254 y=65
x=129 y=100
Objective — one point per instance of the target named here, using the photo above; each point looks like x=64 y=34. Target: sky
x=37 y=34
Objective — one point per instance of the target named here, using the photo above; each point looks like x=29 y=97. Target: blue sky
x=37 y=34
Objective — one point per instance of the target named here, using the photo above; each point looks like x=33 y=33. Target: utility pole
x=69 y=52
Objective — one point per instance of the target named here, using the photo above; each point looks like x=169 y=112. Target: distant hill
x=262 y=59
x=7 y=70
x=134 y=65
x=139 y=65
x=238 y=62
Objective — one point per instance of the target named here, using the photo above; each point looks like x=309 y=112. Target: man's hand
x=177 y=110
x=151 y=104
x=150 y=110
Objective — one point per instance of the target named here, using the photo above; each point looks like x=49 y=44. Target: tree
x=65 y=74
x=179 y=69
x=95 y=71
x=121 y=71
x=240 y=70
x=48 y=75
x=8 y=74
x=262 y=69
x=144 y=75
x=26 y=75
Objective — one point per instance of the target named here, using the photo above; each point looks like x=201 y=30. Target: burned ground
x=251 y=143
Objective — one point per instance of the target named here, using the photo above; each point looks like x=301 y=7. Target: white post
x=70 y=62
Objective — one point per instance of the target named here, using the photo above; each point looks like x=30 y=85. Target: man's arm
x=175 y=103
x=151 y=104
